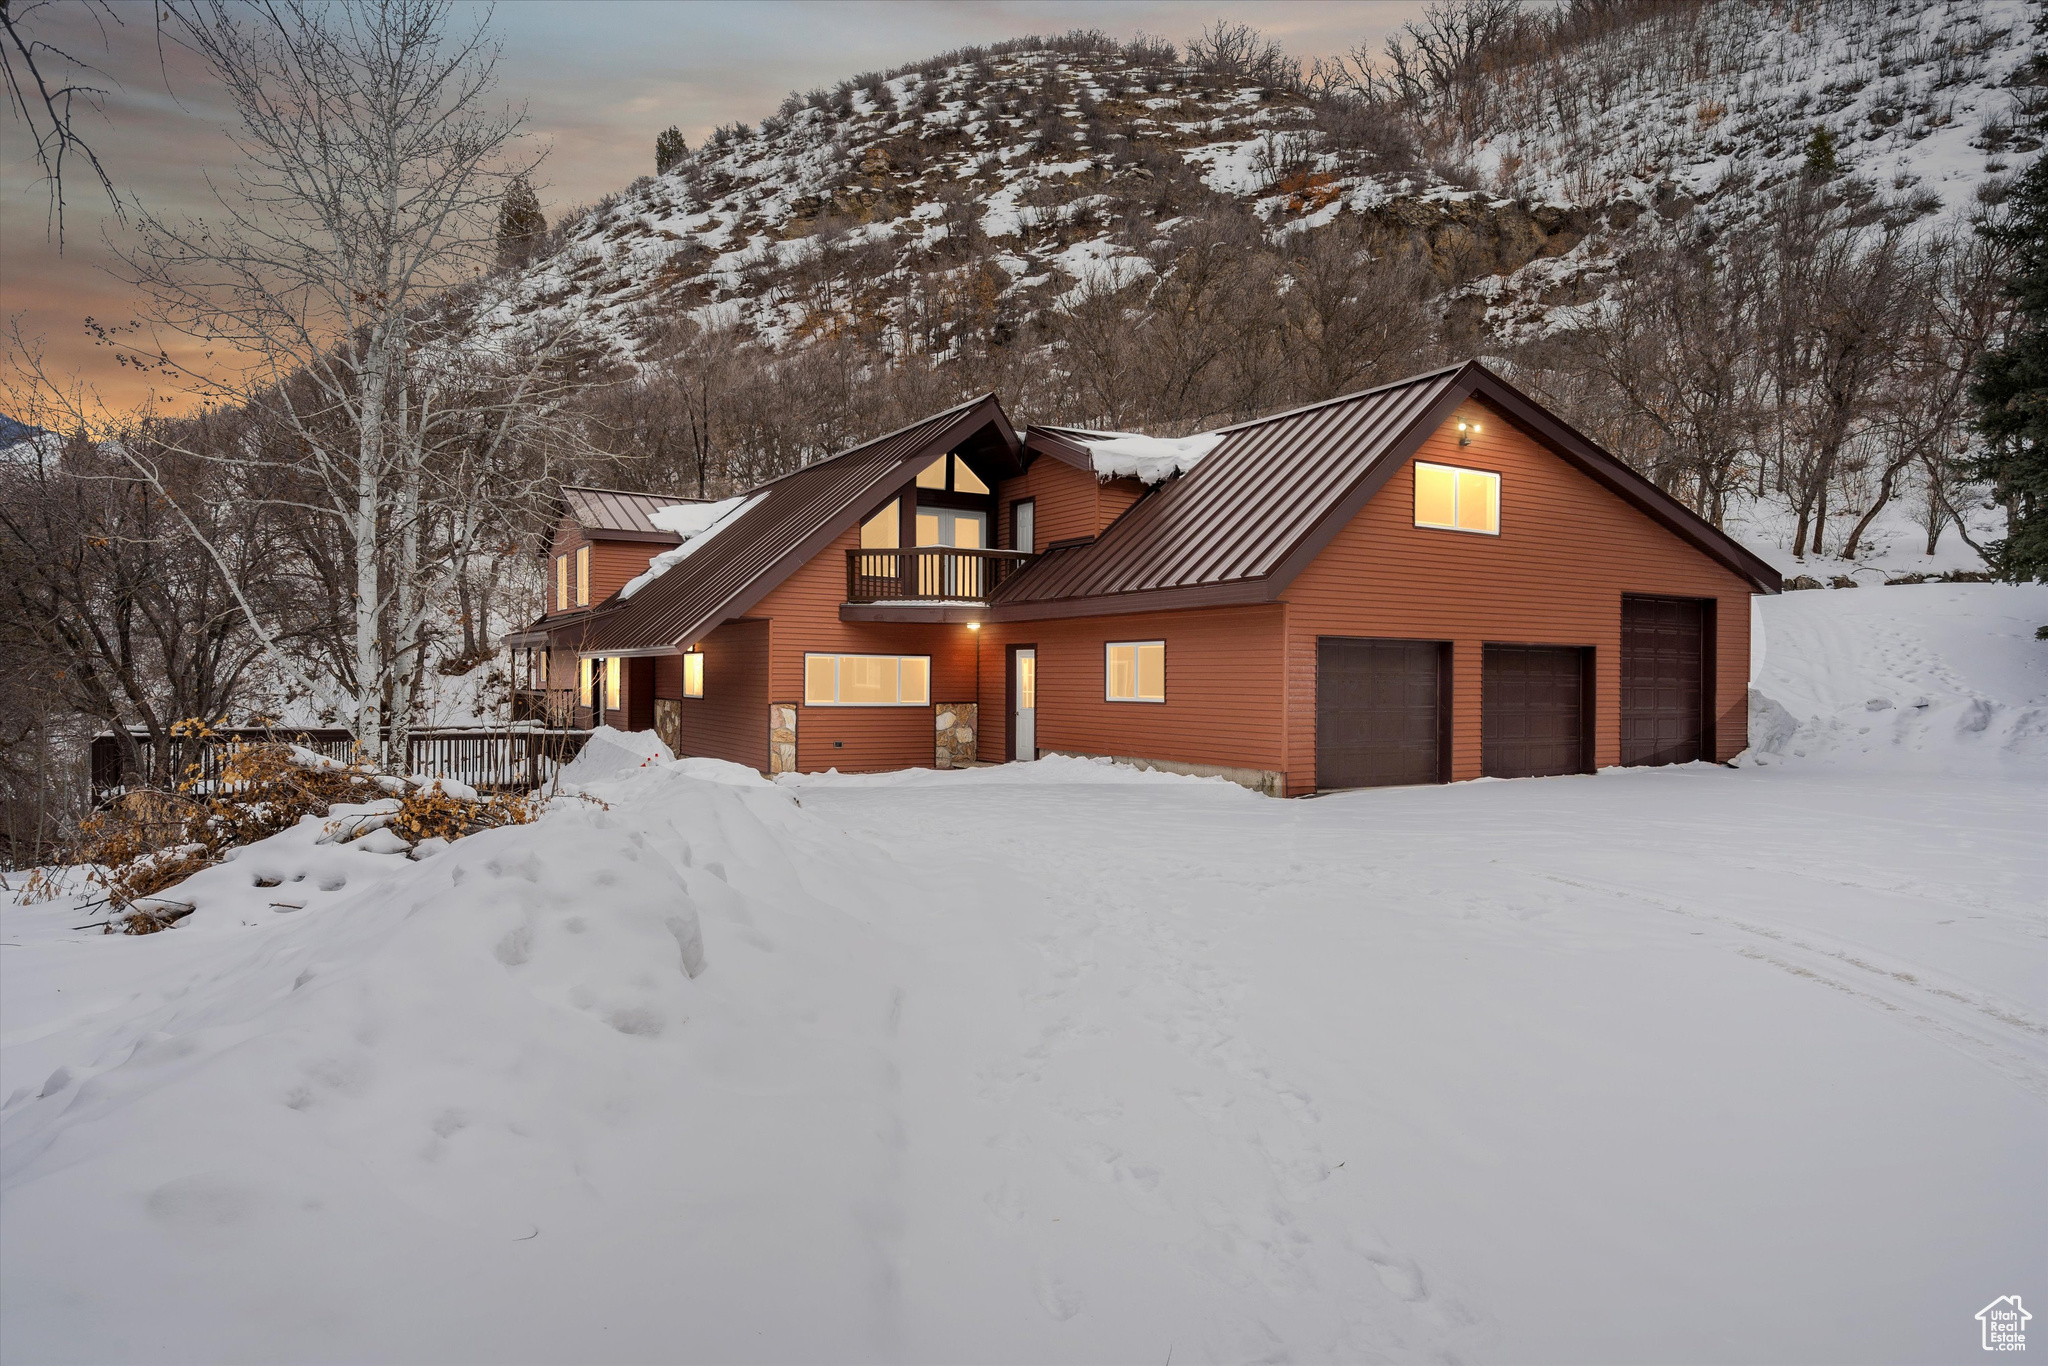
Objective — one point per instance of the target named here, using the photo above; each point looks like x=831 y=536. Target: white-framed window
x=1450 y=498
x=583 y=576
x=587 y=686
x=611 y=683
x=867 y=680
x=693 y=674
x=1134 y=671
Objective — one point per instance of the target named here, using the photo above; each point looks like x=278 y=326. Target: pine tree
x=2011 y=388
x=669 y=149
x=1820 y=152
x=521 y=227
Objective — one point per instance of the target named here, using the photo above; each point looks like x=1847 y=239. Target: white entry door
x=1025 y=689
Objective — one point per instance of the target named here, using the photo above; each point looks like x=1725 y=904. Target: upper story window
x=583 y=576
x=1134 y=671
x=1450 y=498
x=884 y=530
x=561 y=583
x=964 y=480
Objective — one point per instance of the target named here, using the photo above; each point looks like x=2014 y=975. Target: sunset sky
x=598 y=78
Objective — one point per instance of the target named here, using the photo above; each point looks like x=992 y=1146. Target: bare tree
x=50 y=104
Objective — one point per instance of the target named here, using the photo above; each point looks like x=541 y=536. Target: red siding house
x=1433 y=580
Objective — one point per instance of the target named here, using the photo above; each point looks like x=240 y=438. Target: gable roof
x=1244 y=522
x=619 y=512
x=801 y=514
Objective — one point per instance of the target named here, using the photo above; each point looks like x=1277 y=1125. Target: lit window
x=561 y=583
x=867 y=680
x=611 y=683
x=1135 y=671
x=583 y=576
x=693 y=674
x=884 y=530
x=588 y=669
x=933 y=476
x=966 y=480
x=1453 y=499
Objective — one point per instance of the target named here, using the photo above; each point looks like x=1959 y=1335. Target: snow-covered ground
x=1065 y=1062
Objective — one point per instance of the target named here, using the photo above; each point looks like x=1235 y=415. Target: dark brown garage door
x=1532 y=718
x=1378 y=712
x=1662 y=672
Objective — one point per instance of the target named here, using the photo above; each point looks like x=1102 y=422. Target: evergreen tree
x=669 y=149
x=521 y=227
x=2011 y=389
x=1820 y=153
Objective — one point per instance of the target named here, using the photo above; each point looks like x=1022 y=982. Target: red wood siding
x=1567 y=552
x=612 y=564
x=730 y=721
x=1224 y=686
x=804 y=617
x=1072 y=504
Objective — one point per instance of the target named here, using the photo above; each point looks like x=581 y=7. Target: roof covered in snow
x=617 y=510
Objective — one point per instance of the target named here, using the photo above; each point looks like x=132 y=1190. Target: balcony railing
x=929 y=574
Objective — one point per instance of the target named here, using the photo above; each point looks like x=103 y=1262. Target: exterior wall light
x=974 y=626
x=1466 y=431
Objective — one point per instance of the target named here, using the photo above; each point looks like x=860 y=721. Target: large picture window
x=1448 y=498
x=1134 y=671
x=693 y=674
x=867 y=680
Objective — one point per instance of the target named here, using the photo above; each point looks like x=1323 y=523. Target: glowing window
x=933 y=476
x=1134 y=671
x=884 y=530
x=966 y=480
x=587 y=669
x=561 y=583
x=1453 y=499
x=583 y=576
x=693 y=674
x=611 y=683
x=867 y=680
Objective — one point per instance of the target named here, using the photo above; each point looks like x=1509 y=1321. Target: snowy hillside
x=1134 y=1066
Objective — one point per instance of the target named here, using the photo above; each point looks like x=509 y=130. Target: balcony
x=930 y=576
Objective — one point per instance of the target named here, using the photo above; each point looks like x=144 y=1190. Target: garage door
x=1377 y=718
x=1662 y=671
x=1532 y=721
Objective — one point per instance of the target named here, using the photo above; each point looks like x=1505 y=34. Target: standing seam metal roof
x=1239 y=512
x=682 y=605
x=596 y=509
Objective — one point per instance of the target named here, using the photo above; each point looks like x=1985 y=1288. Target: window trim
x=1107 y=696
x=1495 y=475
x=696 y=656
x=836 y=655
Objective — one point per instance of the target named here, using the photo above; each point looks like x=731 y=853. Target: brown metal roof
x=802 y=513
x=600 y=510
x=1251 y=515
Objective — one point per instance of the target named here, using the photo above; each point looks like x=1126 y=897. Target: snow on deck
x=1639 y=1066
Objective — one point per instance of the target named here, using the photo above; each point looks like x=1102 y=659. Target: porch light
x=974 y=626
x=1466 y=431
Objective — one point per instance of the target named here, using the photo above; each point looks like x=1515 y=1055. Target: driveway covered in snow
x=1069 y=1063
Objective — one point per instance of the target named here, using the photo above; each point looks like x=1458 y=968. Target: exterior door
x=948 y=575
x=1533 y=721
x=1663 y=680
x=1379 y=712
x=1024 y=712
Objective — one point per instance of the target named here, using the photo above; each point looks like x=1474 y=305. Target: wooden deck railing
x=516 y=759
x=929 y=574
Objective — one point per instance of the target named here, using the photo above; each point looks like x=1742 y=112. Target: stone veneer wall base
x=959 y=732
x=781 y=738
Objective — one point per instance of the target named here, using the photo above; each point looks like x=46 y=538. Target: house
x=1434 y=580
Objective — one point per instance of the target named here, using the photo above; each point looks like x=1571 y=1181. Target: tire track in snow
x=1953 y=1016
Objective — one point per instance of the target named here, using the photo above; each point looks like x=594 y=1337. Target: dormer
x=603 y=538
x=1059 y=499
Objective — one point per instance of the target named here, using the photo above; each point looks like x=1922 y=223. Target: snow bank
x=696 y=523
x=611 y=752
x=1150 y=458
x=1935 y=676
x=1054 y=770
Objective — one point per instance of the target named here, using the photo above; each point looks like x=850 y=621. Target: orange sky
x=598 y=80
